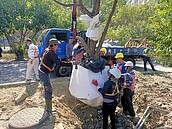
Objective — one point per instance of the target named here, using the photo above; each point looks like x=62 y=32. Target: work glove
x=94 y=82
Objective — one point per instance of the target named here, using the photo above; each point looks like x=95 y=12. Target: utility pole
x=73 y=24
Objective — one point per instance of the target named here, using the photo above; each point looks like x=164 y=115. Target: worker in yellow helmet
x=120 y=64
x=103 y=51
x=119 y=56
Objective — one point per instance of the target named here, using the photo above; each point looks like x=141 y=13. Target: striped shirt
x=33 y=51
x=129 y=80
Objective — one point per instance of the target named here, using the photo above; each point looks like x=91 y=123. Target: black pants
x=127 y=101
x=109 y=110
x=145 y=60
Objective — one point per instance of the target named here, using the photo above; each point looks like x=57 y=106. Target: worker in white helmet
x=128 y=91
x=110 y=96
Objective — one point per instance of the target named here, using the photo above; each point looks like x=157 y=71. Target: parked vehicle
x=132 y=50
x=61 y=35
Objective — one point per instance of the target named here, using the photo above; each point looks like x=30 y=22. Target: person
x=0 y=52
x=110 y=96
x=146 y=58
x=78 y=52
x=120 y=64
x=33 y=62
x=128 y=91
x=48 y=60
x=69 y=49
x=103 y=53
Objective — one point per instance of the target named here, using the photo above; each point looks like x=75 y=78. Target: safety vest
x=129 y=80
x=121 y=67
x=45 y=52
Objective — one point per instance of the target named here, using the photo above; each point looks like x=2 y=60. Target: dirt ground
x=152 y=89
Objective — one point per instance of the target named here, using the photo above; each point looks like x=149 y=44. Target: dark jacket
x=50 y=59
x=109 y=87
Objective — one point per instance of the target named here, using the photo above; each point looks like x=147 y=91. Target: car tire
x=63 y=71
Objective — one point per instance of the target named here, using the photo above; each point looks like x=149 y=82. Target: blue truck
x=130 y=53
x=63 y=35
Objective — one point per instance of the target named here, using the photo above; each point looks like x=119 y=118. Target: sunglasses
x=55 y=44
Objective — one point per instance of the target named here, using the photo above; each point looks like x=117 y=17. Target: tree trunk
x=19 y=56
x=93 y=51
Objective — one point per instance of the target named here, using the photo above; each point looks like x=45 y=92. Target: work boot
x=48 y=105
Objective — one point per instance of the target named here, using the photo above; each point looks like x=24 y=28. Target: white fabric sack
x=82 y=88
x=94 y=30
x=85 y=19
x=94 y=34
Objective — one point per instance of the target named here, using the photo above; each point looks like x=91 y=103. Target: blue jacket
x=122 y=68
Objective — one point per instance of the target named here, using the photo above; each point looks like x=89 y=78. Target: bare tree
x=91 y=49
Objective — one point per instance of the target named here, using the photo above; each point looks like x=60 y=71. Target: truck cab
x=62 y=35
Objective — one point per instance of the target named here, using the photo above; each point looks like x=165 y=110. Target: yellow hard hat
x=103 y=50
x=119 y=55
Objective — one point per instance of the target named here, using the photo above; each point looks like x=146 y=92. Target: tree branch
x=83 y=9
x=106 y=28
x=83 y=43
x=96 y=7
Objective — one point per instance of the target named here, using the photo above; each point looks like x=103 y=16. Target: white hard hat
x=115 y=72
x=129 y=63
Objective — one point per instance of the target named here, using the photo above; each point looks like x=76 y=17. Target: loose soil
x=152 y=89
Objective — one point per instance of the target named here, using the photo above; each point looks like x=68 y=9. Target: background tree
x=131 y=22
x=162 y=29
x=25 y=19
x=21 y=19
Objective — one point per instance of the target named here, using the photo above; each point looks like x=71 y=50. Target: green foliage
x=5 y=18
x=27 y=18
x=152 y=20
x=131 y=22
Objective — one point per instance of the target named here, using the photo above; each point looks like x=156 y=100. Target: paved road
x=157 y=67
x=16 y=70
x=12 y=71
